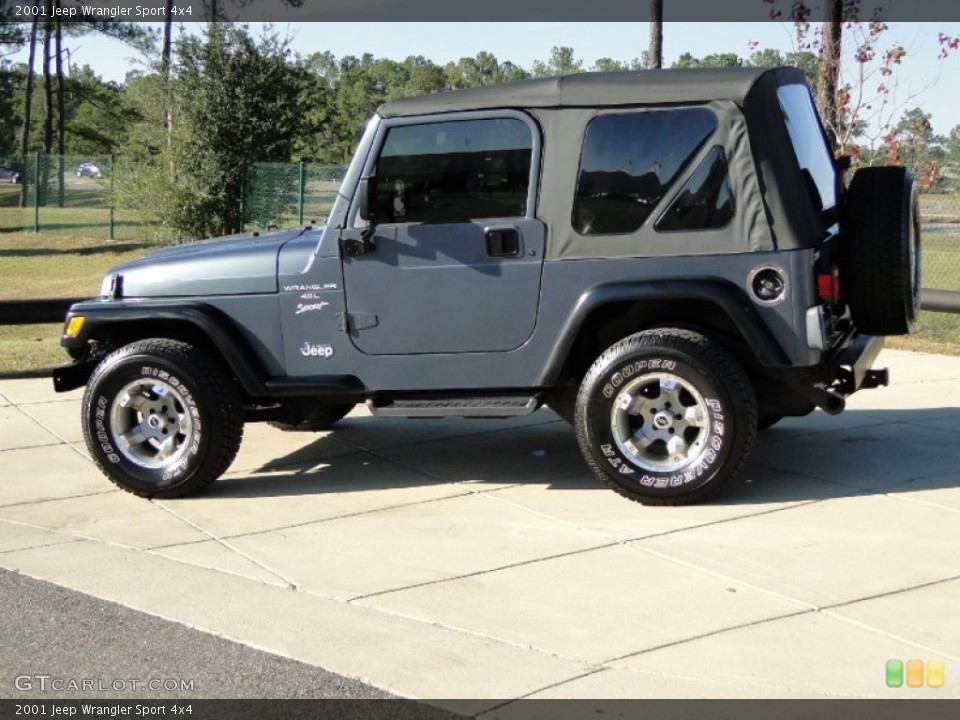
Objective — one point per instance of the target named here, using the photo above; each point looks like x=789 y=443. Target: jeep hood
x=239 y=265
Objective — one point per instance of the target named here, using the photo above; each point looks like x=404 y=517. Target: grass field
x=49 y=265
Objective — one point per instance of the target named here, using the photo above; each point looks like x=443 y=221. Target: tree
x=61 y=109
x=483 y=69
x=606 y=64
x=238 y=102
x=99 y=115
x=655 y=51
x=859 y=102
x=47 y=80
x=713 y=60
x=829 y=68
x=28 y=103
x=951 y=144
x=803 y=59
x=11 y=82
x=561 y=62
x=913 y=144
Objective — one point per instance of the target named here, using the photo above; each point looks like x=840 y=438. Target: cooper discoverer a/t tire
x=666 y=417
x=880 y=259
x=160 y=419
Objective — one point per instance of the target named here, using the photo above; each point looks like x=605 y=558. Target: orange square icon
x=935 y=673
x=914 y=673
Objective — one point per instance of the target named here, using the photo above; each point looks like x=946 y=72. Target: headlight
x=112 y=286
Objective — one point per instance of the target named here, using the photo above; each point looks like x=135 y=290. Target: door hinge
x=346 y=322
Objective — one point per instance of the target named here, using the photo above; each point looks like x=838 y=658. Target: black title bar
x=486 y=11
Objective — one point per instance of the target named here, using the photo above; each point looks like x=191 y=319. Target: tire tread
x=229 y=416
x=705 y=352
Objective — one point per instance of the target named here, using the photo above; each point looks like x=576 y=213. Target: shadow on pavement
x=861 y=452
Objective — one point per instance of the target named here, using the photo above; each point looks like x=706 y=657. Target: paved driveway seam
x=466 y=491
x=937 y=652
x=640 y=547
x=220 y=541
x=479 y=573
x=21 y=503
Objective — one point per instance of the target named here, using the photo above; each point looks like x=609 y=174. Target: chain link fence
x=68 y=195
x=940 y=214
x=107 y=198
x=288 y=194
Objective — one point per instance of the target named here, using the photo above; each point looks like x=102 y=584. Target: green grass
x=50 y=266
x=941 y=260
x=26 y=348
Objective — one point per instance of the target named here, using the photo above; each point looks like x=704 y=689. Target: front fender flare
x=216 y=326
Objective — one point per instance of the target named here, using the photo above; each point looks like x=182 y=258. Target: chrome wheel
x=150 y=425
x=660 y=422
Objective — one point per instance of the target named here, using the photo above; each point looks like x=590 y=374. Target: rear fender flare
x=727 y=297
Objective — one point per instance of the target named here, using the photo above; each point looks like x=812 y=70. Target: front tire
x=666 y=417
x=160 y=419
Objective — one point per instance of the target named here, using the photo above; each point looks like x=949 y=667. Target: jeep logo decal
x=322 y=351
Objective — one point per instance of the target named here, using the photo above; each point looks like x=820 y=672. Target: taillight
x=828 y=285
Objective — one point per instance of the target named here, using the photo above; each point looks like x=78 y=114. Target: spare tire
x=880 y=261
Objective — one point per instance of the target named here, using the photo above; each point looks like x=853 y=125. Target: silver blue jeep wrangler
x=669 y=260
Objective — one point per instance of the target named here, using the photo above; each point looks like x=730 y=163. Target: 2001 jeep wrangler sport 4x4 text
x=669 y=260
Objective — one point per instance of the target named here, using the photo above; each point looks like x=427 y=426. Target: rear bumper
x=844 y=371
x=855 y=366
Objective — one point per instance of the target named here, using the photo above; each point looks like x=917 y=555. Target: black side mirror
x=367 y=200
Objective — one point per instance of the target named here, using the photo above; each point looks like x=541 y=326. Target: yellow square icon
x=935 y=673
x=914 y=673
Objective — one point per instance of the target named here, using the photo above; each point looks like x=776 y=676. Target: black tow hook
x=875 y=379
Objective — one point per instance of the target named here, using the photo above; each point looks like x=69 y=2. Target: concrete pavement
x=480 y=560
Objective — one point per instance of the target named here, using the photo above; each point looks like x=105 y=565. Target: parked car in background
x=9 y=174
x=88 y=169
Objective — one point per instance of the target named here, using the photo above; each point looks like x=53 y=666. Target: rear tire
x=880 y=262
x=666 y=417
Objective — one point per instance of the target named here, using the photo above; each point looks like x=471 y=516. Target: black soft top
x=644 y=87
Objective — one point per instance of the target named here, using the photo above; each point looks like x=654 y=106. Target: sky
x=924 y=80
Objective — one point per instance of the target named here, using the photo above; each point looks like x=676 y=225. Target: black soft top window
x=706 y=200
x=629 y=162
x=457 y=170
x=803 y=126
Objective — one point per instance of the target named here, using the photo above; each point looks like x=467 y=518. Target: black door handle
x=503 y=242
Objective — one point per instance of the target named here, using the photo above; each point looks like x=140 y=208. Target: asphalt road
x=48 y=630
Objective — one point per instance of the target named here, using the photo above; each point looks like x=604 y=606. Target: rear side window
x=628 y=163
x=706 y=201
x=803 y=126
x=457 y=171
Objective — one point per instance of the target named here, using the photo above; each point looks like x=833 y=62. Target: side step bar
x=471 y=407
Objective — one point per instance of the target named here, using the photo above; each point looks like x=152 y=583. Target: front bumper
x=72 y=375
